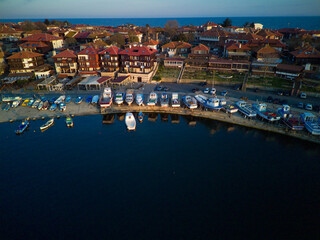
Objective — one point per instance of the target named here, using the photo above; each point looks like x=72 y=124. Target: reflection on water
x=175 y=118
x=120 y=116
x=152 y=117
x=164 y=117
x=108 y=118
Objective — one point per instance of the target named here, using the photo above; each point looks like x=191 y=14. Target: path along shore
x=20 y=113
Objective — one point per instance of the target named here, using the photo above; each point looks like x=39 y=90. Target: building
x=88 y=60
x=237 y=51
x=181 y=49
x=305 y=56
x=24 y=62
x=228 y=65
x=268 y=54
x=138 y=62
x=199 y=57
x=174 y=62
x=93 y=83
x=39 y=47
x=52 y=41
x=151 y=44
x=289 y=71
x=258 y=26
x=66 y=62
x=110 y=59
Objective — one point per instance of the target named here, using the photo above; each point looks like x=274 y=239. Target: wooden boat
x=175 y=102
x=152 y=100
x=289 y=119
x=45 y=105
x=36 y=103
x=68 y=99
x=118 y=99
x=140 y=116
x=15 y=103
x=22 y=127
x=139 y=99
x=30 y=103
x=53 y=107
x=7 y=107
x=60 y=99
x=164 y=100
x=130 y=121
x=89 y=99
x=40 y=105
x=48 y=124
x=69 y=122
x=106 y=98
x=79 y=100
x=95 y=99
x=190 y=102
x=62 y=107
x=311 y=123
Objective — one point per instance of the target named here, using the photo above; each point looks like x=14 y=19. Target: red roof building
x=25 y=61
x=88 y=59
x=66 y=62
x=52 y=41
x=39 y=47
x=110 y=59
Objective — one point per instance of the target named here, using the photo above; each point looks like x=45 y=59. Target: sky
x=155 y=8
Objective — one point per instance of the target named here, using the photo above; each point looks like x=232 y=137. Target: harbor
x=74 y=108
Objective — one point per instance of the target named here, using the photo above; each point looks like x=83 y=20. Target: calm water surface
x=163 y=181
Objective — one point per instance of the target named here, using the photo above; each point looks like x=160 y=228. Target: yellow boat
x=25 y=102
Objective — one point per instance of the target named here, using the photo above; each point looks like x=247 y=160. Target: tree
x=118 y=39
x=227 y=23
x=71 y=41
x=46 y=22
x=133 y=38
x=179 y=37
x=41 y=26
x=28 y=26
x=171 y=27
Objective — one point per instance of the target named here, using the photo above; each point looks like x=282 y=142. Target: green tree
x=227 y=23
x=46 y=22
x=117 y=39
x=171 y=27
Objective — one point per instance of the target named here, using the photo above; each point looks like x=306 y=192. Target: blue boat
x=43 y=99
x=140 y=116
x=89 y=99
x=246 y=110
x=22 y=127
x=79 y=100
x=68 y=99
x=53 y=107
x=52 y=100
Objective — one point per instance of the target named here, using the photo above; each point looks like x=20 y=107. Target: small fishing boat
x=45 y=105
x=311 y=123
x=289 y=119
x=139 y=99
x=106 y=98
x=31 y=102
x=79 y=100
x=52 y=100
x=53 y=107
x=152 y=99
x=7 y=107
x=95 y=99
x=89 y=99
x=69 y=122
x=201 y=99
x=190 y=102
x=175 y=102
x=245 y=109
x=130 y=121
x=48 y=124
x=62 y=107
x=223 y=102
x=22 y=127
x=265 y=113
x=129 y=98
x=164 y=100
x=60 y=99
x=40 y=105
x=43 y=99
x=119 y=98
x=213 y=104
x=15 y=103
x=68 y=99
x=140 y=116
x=230 y=109
x=36 y=103
x=10 y=99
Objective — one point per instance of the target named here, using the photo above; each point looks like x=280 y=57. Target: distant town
x=54 y=55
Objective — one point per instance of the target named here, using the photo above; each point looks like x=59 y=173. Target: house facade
x=66 y=62
x=24 y=62
x=88 y=60
x=110 y=59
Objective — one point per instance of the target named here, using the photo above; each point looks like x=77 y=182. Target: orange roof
x=25 y=54
x=111 y=50
x=33 y=44
x=177 y=45
x=307 y=53
x=44 y=37
x=235 y=46
x=88 y=51
x=137 y=51
x=151 y=42
x=66 y=54
x=267 y=50
x=201 y=47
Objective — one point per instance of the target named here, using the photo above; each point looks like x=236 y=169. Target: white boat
x=118 y=99
x=48 y=124
x=175 y=102
x=245 y=109
x=10 y=99
x=311 y=123
x=40 y=105
x=95 y=99
x=213 y=104
x=139 y=99
x=31 y=102
x=130 y=121
x=265 y=113
x=223 y=102
x=190 y=102
x=201 y=99
x=15 y=103
x=62 y=107
x=36 y=103
x=106 y=98
x=129 y=98
x=164 y=101
x=152 y=99
x=60 y=99
x=230 y=109
x=289 y=119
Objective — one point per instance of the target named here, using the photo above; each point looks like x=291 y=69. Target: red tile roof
x=201 y=47
x=24 y=54
x=173 y=45
x=103 y=79
x=151 y=42
x=137 y=51
x=111 y=50
x=236 y=45
x=66 y=54
x=307 y=53
x=44 y=37
x=82 y=35
x=33 y=45
x=89 y=51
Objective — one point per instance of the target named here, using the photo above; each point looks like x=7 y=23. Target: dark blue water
x=308 y=23
x=163 y=181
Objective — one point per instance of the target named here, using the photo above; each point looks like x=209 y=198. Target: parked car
x=207 y=90
x=300 y=105
x=280 y=93
x=213 y=91
x=308 y=107
x=195 y=90
x=303 y=95
x=270 y=99
x=224 y=93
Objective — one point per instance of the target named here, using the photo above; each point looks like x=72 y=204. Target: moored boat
x=53 y=107
x=164 y=100
x=190 y=102
x=31 y=102
x=119 y=98
x=129 y=98
x=68 y=99
x=15 y=103
x=22 y=127
x=25 y=102
x=69 y=122
x=106 y=98
x=213 y=104
x=311 y=123
x=60 y=99
x=45 y=105
x=175 y=102
x=36 y=103
x=152 y=99
x=289 y=119
x=48 y=124
x=62 y=107
x=89 y=99
x=245 y=109
x=79 y=100
x=265 y=113
x=40 y=105
x=139 y=99
x=230 y=109
x=95 y=99
x=7 y=107
x=140 y=116
x=10 y=99
x=130 y=121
